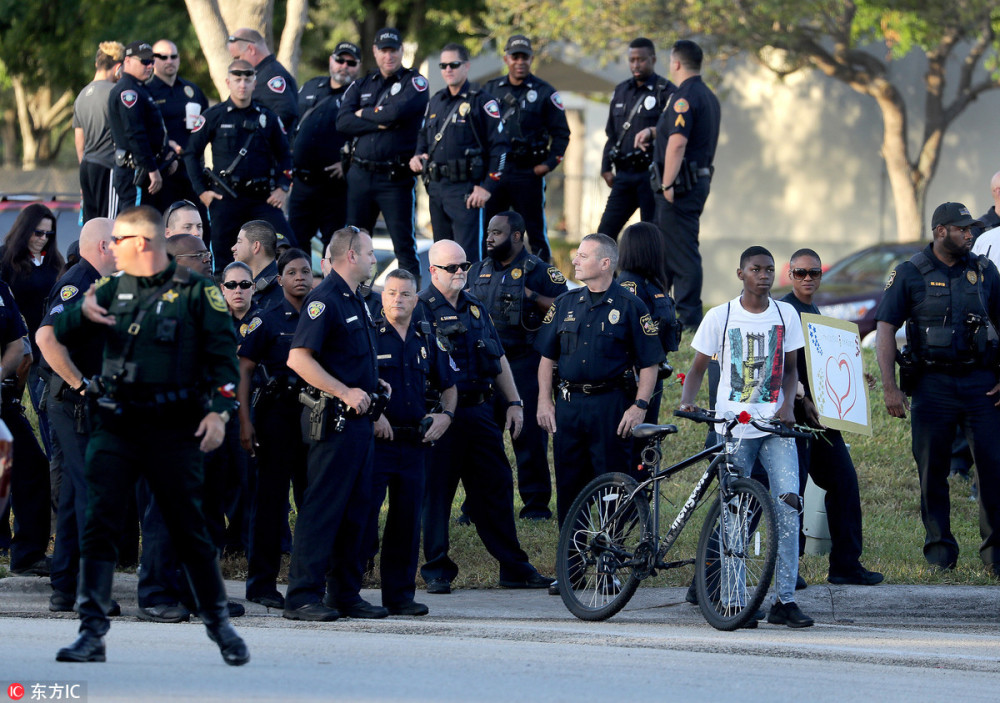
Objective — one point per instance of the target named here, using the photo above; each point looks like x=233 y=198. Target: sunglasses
x=242 y=285
x=144 y=62
x=349 y=62
x=454 y=65
x=243 y=72
x=230 y=39
x=119 y=238
x=44 y=232
x=800 y=274
x=455 y=268
x=204 y=256
x=165 y=57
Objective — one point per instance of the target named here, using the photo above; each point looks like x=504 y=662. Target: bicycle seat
x=647 y=430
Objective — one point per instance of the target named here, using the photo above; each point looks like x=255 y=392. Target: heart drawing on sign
x=840 y=384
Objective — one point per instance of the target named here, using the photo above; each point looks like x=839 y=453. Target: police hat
x=346 y=47
x=140 y=50
x=954 y=214
x=388 y=38
x=519 y=44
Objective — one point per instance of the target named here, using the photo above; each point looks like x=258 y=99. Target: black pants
x=228 y=215
x=586 y=443
x=332 y=517
x=531 y=447
x=630 y=191
x=471 y=451
x=523 y=192
x=99 y=197
x=940 y=401
x=72 y=496
x=679 y=222
x=282 y=459
x=372 y=193
x=229 y=489
x=30 y=495
x=399 y=469
x=451 y=219
x=316 y=207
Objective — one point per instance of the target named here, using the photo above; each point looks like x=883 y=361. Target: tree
x=836 y=37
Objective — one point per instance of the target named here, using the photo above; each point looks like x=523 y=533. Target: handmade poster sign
x=836 y=373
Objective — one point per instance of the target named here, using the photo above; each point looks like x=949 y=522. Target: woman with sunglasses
x=827 y=460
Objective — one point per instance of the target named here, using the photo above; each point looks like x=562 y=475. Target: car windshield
x=870 y=267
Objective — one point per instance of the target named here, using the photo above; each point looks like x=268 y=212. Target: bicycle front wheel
x=736 y=554
x=599 y=563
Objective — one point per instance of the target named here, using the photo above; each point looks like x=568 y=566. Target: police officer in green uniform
x=517 y=287
x=950 y=301
x=167 y=382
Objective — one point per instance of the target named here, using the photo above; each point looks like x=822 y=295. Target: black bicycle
x=611 y=539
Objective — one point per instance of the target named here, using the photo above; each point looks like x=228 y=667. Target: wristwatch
x=664 y=189
x=449 y=413
x=515 y=404
x=641 y=404
x=225 y=417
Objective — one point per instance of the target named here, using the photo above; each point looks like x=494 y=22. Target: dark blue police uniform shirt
x=12 y=325
x=653 y=94
x=268 y=337
x=172 y=101
x=660 y=305
x=407 y=366
x=488 y=280
x=693 y=112
x=277 y=90
x=336 y=326
x=597 y=342
x=86 y=351
x=475 y=317
x=391 y=109
x=268 y=293
x=317 y=142
x=539 y=112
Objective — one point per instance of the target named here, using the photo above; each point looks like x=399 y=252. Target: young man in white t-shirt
x=755 y=339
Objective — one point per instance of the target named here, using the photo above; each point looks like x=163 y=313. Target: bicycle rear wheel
x=598 y=562
x=736 y=554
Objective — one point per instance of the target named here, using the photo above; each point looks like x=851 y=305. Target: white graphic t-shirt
x=751 y=357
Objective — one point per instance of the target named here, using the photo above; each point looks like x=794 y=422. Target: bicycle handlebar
x=770 y=426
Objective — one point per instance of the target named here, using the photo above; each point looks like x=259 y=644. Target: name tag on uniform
x=938 y=283
x=125 y=296
x=385 y=356
x=352 y=318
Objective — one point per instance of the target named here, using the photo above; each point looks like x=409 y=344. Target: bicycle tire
x=596 y=562
x=731 y=588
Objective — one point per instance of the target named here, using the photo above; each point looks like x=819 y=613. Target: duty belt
x=378 y=166
x=566 y=388
x=705 y=171
x=407 y=434
x=310 y=176
x=468 y=399
x=966 y=366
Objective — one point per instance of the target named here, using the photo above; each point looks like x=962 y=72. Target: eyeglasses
x=349 y=62
x=243 y=72
x=204 y=256
x=800 y=274
x=165 y=57
x=44 y=232
x=453 y=65
x=230 y=39
x=119 y=238
x=242 y=285
x=455 y=268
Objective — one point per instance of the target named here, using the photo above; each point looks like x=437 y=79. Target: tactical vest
x=516 y=322
x=943 y=328
x=473 y=344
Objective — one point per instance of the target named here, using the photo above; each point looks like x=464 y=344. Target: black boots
x=213 y=606
x=95 y=602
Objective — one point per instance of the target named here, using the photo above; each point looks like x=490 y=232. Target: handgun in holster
x=908 y=372
x=317 y=415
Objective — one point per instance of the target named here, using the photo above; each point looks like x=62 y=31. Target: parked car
x=385 y=257
x=65 y=206
x=854 y=285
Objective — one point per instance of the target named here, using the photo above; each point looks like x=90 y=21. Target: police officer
x=319 y=191
x=380 y=114
x=69 y=415
x=335 y=336
x=472 y=450
x=461 y=149
x=597 y=335
x=273 y=433
x=168 y=380
x=180 y=102
x=275 y=89
x=635 y=105
x=143 y=155
x=410 y=360
x=250 y=160
x=950 y=301
x=517 y=288
x=256 y=246
x=685 y=139
x=534 y=120
x=94 y=146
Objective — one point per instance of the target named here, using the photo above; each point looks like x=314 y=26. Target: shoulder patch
x=681 y=106
x=648 y=326
x=550 y=315
x=67 y=292
x=420 y=83
x=199 y=122
x=629 y=286
x=557 y=101
x=215 y=299
x=129 y=98
x=277 y=84
x=254 y=324
x=440 y=344
x=243 y=330
x=315 y=309
x=892 y=277
x=492 y=109
x=189 y=91
x=556 y=276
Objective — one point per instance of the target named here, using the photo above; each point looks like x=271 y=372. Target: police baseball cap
x=519 y=44
x=140 y=50
x=346 y=47
x=388 y=38
x=954 y=214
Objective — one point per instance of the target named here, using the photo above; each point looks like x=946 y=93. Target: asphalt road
x=496 y=645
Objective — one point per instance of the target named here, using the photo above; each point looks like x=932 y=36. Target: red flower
x=744 y=418
x=681 y=377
